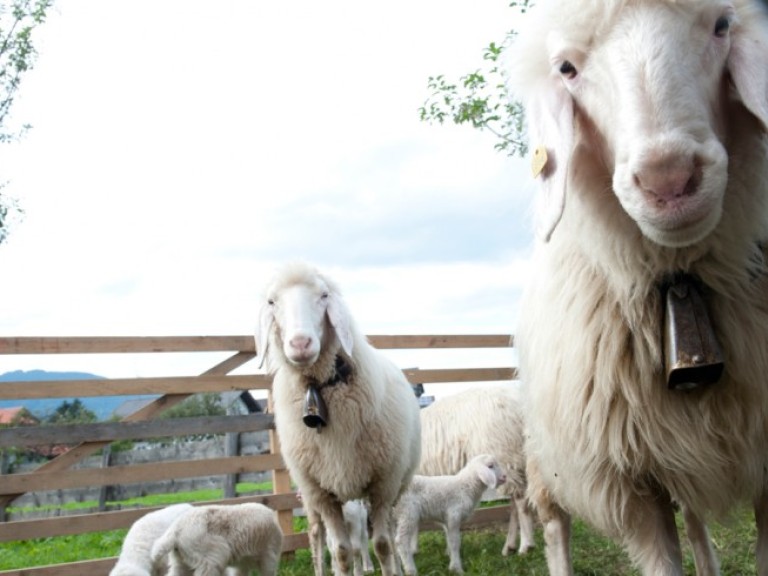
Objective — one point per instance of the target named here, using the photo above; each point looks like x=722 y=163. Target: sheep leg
x=453 y=542
x=357 y=560
x=333 y=520
x=367 y=560
x=209 y=568
x=761 y=519
x=176 y=567
x=406 y=540
x=269 y=562
x=555 y=520
x=654 y=544
x=525 y=518
x=703 y=554
x=514 y=526
x=316 y=541
x=383 y=544
x=557 y=536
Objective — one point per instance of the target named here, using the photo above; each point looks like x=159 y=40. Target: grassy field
x=593 y=555
x=481 y=550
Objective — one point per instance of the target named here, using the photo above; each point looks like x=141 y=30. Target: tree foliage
x=481 y=98
x=205 y=404
x=18 y=19
x=73 y=412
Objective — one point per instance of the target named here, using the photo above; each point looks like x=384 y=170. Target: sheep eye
x=324 y=295
x=271 y=301
x=722 y=26
x=567 y=69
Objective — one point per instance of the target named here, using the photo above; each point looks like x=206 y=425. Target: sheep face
x=489 y=471
x=648 y=83
x=304 y=312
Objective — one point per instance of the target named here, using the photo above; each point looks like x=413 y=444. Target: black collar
x=341 y=372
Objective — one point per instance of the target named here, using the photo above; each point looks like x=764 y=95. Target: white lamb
x=365 y=442
x=355 y=514
x=648 y=119
x=356 y=519
x=447 y=500
x=134 y=559
x=206 y=540
x=478 y=421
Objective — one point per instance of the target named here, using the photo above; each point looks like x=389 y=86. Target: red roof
x=16 y=415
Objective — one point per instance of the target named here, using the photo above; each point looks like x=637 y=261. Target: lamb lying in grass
x=447 y=500
x=134 y=557
x=206 y=540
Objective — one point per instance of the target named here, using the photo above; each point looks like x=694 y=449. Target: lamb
x=649 y=120
x=356 y=520
x=134 y=559
x=355 y=514
x=347 y=419
x=448 y=500
x=206 y=540
x=452 y=433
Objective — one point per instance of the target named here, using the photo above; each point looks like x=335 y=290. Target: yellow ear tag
x=538 y=161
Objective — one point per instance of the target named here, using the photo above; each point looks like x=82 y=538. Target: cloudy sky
x=183 y=149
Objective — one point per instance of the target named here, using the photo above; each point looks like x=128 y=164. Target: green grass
x=155 y=499
x=593 y=555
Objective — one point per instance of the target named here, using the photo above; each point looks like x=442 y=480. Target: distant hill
x=102 y=406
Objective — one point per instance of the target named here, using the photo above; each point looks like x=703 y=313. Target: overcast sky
x=181 y=150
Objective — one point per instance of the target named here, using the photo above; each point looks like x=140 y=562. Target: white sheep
x=447 y=500
x=356 y=519
x=477 y=421
x=648 y=120
x=134 y=559
x=355 y=514
x=206 y=540
x=369 y=442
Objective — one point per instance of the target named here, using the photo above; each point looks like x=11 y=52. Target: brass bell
x=692 y=354
x=315 y=410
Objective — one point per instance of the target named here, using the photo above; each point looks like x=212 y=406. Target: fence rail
x=58 y=473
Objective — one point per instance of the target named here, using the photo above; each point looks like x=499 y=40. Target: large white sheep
x=447 y=500
x=134 y=559
x=649 y=120
x=366 y=439
x=215 y=540
x=476 y=421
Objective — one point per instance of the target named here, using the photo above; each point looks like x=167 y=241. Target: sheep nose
x=300 y=342
x=668 y=180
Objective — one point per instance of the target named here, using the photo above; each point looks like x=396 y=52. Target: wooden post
x=231 y=448
x=281 y=480
x=4 y=468
x=106 y=455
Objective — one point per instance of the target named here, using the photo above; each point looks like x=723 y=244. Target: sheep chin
x=302 y=360
x=678 y=222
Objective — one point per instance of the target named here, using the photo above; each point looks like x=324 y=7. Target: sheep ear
x=550 y=126
x=748 y=65
x=339 y=318
x=487 y=476
x=266 y=317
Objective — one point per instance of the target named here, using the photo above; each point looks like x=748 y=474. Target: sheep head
x=303 y=311
x=488 y=470
x=647 y=84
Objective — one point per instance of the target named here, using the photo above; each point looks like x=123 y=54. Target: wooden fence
x=57 y=474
